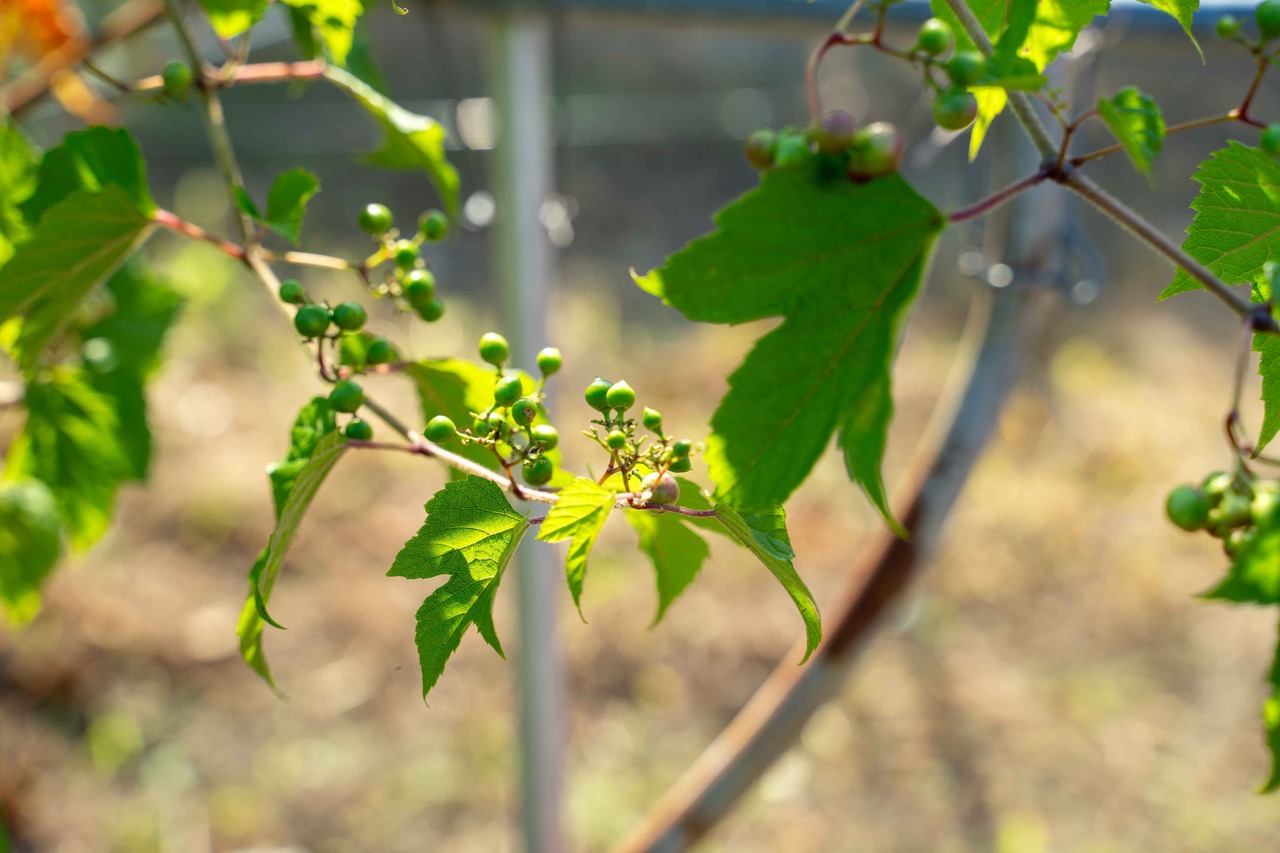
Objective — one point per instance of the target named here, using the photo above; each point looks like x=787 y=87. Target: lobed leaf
x=1136 y=121
x=18 y=170
x=578 y=516
x=335 y=20
x=30 y=543
x=470 y=534
x=90 y=161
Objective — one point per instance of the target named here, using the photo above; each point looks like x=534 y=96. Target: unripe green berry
x=349 y=316
x=617 y=440
x=546 y=435
x=1267 y=14
x=406 y=254
x=966 y=68
x=1262 y=510
x=935 y=37
x=663 y=488
x=359 y=430
x=346 y=397
x=494 y=348
x=549 y=360
x=311 y=321
x=681 y=465
x=508 y=390
x=538 y=471
x=433 y=225
x=834 y=132
x=1228 y=26
x=955 y=109
x=1270 y=139
x=419 y=288
x=432 y=311
x=524 y=411
x=1238 y=540
x=1234 y=511
x=375 y=219
x=620 y=396
x=876 y=151
x=652 y=419
x=440 y=429
x=177 y=78
x=597 y=393
x=793 y=150
x=291 y=292
x=498 y=424
x=381 y=352
x=1187 y=507
x=682 y=448
x=1216 y=485
x=762 y=148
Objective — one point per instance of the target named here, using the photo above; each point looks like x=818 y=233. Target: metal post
x=521 y=85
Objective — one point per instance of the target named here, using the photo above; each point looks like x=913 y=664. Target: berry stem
x=998 y=198
x=232 y=74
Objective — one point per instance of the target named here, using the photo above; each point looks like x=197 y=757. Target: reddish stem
x=176 y=223
x=991 y=202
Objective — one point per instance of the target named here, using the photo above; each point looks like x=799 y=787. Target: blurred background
x=1053 y=685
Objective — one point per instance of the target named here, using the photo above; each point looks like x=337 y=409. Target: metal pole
x=521 y=84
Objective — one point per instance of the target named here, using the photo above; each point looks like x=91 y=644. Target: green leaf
x=335 y=20
x=677 y=553
x=250 y=625
x=842 y=264
x=863 y=446
x=233 y=17
x=1136 y=121
x=578 y=516
x=72 y=443
x=1181 y=10
x=305 y=484
x=455 y=388
x=1271 y=725
x=80 y=241
x=30 y=543
x=287 y=201
x=1269 y=370
x=90 y=161
x=1254 y=578
x=17 y=182
x=764 y=534
x=411 y=141
x=470 y=533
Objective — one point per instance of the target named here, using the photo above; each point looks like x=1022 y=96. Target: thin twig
x=998 y=198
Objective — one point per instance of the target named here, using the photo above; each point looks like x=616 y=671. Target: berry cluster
x=1267 y=16
x=629 y=454
x=509 y=426
x=409 y=280
x=876 y=149
x=1231 y=507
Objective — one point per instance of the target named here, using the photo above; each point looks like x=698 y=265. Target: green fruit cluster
x=835 y=145
x=1230 y=507
x=617 y=435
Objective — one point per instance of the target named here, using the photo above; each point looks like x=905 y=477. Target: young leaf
x=250 y=625
x=17 y=182
x=304 y=487
x=287 y=201
x=1136 y=121
x=336 y=21
x=80 y=241
x=90 y=161
x=72 y=443
x=841 y=263
x=578 y=516
x=677 y=553
x=764 y=534
x=233 y=17
x=30 y=542
x=1254 y=578
x=411 y=141
x=470 y=533
x=1181 y=11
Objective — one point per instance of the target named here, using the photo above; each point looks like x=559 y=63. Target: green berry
x=508 y=390
x=375 y=219
x=291 y=292
x=597 y=393
x=681 y=465
x=762 y=148
x=681 y=449
x=433 y=225
x=381 y=352
x=620 y=396
x=406 y=254
x=1270 y=139
x=494 y=348
x=547 y=436
x=498 y=424
x=966 y=68
x=1234 y=511
x=617 y=440
x=955 y=109
x=834 y=132
x=1262 y=510
x=793 y=150
x=350 y=316
x=524 y=411
x=359 y=430
x=1267 y=14
x=935 y=37
x=311 y=321
x=539 y=471
x=177 y=77
x=876 y=151
x=549 y=360
x=440 y=429
x=663 y=488
x=419 y=288
x=1187 y=507
x=1228 y=26
x=432 y=311
x=346 y=397
x=1216 y=485
x=652 y=420
x=1238 y=540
